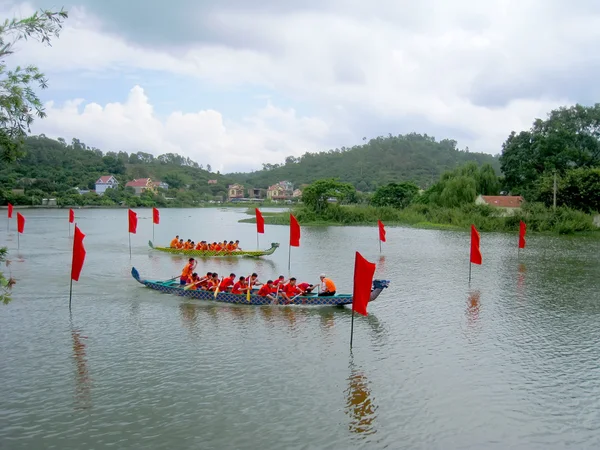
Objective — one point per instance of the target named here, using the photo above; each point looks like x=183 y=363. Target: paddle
x=189 y=286
x=217 y=289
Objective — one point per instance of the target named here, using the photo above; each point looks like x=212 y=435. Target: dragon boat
x=173 y=287
x=213 y=253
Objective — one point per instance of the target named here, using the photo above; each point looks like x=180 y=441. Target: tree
x=398 y=195
x=577 y=189
x=569 y=138
x=316 y=195
x=5 y=283
x=18 y=102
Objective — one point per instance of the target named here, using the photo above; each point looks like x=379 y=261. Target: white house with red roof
x=105 y=182
x=508 y=203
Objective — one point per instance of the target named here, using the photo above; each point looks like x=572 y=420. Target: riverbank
x=208 y=205
x=537 y=217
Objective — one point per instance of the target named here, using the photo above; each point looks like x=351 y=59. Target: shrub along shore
x=538 y=218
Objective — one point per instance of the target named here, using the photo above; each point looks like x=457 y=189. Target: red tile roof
x=503 y=201
x=142 y=182
x=104 y=179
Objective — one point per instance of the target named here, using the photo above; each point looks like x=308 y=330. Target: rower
x=280 y=281
x=254 y=280
x=240 y=286
x=174 y=242
x=180 y=244
x=290 y=290
x=188 y=270
x=237 y=245
x=227 y=282
x=306 y=287
x=213 y=283
x=194 y=282
x=327 y=287
x=267 y=290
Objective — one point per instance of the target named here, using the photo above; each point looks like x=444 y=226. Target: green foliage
x=6 y=284
x=383 y=160
x=398 y=195
x=19 y=104
x=569 y=138
x=461 y=186
x=316 y=196
x=578 y=188
x=54 y=169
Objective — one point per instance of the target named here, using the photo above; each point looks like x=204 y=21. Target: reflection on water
x=189 y=316
x=360 y=406
x=473 y=308
x=83 y=398
x=521 y=282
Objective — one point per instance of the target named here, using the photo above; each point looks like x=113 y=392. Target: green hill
x=53 y=167
x=411 y=157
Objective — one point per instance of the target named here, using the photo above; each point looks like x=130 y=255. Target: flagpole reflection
x=521 y=281
x=83 y=397
x=360 y=405
x=473 y=308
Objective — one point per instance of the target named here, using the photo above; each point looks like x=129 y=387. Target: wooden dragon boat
x=173 y=287
x=213 y=253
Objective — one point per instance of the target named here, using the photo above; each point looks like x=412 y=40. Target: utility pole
x=554 y=203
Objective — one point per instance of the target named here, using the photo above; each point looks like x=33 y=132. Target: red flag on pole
x=363 y=280
x=20 y=223
x=10 y=211
x=71 y=216
x=78 y=254
x=155 y=216
x=522 y=231
x=294 y=232
x=381 y=230
x=132 y=222
x=260 y=222
x=475 y=251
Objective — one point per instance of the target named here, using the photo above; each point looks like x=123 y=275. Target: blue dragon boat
x=173 y=287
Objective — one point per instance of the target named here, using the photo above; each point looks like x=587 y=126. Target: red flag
x=71 y=216
x=155 y=216
x=381 y=231
x=10 y=210
x=132 y=222
x=260 y=222
x=522 y=231
x=363 y=280
x=294 y=232
x=78 y=254
x=475 y=251
x=20 y=223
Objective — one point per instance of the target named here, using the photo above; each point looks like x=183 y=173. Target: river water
x=510 y=361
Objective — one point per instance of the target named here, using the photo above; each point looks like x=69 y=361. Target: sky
x=239 y=83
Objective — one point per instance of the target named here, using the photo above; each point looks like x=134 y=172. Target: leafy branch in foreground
x=5 y=283
x=19 y=103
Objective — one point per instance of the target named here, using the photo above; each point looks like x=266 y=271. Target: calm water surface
x=511 y=361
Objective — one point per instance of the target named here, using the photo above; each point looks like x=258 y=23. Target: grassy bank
x=485 y=218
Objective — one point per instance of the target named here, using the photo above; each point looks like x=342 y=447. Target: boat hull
x=212 y=253
x=173 y=287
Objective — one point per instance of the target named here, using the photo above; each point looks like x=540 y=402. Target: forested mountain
x=411 y=157
x=53 y=166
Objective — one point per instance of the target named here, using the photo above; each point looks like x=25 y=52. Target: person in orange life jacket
x=194 y=282
x=174 y=242
x=327 y=287
x=266 y=290
x=237 y=245
x=253 y=281
x=188 y=270
x=205 y=281
x=306 y=287
x=289 y=290
x=240 y=287
x=213 y=282
x=227 y=282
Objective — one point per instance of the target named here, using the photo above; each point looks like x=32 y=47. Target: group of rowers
x=205 y=246
x=286 y=289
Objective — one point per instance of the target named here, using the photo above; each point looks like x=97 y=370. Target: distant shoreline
x=226 y=205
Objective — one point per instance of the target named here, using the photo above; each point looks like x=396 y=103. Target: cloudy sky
x=235 y=83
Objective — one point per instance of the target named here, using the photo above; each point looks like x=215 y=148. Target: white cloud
x=433 y=61
x=269 y=135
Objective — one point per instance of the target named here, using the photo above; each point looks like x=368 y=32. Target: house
x=508 y=203
x=297 y=193
x=235 y=191
x=141 y=185
x=257 y=193
x=281 y=191
x=212 y=181
x=105 y=182
x=161 y=184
